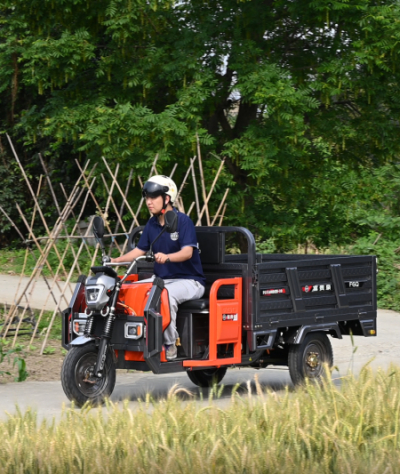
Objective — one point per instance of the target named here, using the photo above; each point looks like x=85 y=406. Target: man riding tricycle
x=185 y=304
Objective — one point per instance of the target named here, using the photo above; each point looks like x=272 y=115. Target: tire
x=308 y=360
x=207 y=377
x=76 y=366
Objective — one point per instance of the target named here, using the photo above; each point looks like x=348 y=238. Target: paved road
x=11 y=287
x=47 y=398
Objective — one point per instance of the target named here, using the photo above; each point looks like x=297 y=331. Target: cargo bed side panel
x=318 y=290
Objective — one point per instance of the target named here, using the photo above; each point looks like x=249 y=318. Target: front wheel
x=309 y=359
x=207 y=377
x=78 y=381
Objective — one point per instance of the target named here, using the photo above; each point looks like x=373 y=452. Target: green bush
x=388 y=278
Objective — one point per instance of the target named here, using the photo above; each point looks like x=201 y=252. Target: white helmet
x=159 y=185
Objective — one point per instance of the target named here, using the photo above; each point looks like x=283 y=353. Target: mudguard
x=81 y=340
x=331 y=328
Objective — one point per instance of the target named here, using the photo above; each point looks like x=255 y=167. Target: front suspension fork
x=101 y=356
x=105 y=339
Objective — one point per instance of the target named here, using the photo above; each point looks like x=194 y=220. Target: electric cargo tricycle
x=258 y=310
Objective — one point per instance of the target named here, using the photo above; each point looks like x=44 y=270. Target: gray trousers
x=179 y=291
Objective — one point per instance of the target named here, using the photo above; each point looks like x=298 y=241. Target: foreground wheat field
x=349 y=429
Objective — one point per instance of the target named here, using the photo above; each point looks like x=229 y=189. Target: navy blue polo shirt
x=185 y=236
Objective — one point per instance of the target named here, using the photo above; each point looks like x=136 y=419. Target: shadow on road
x=242 y=382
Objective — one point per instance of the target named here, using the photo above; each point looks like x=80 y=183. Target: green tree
x=292 y=94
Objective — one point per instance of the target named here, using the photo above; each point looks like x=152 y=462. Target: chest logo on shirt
x=174 y=236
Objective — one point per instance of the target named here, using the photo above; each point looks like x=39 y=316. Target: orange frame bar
x=225 y=326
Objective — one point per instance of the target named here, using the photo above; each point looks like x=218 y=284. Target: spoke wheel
x=309 y=359
x=78 y=381
x=207 y=377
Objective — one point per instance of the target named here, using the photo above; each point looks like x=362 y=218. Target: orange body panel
x=132 y=355
x=225 y=325
x=133 y=277
x=135 y=297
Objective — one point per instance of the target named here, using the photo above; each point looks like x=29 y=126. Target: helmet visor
x=153 y=190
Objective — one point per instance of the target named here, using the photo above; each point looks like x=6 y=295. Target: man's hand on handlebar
x=161 y=258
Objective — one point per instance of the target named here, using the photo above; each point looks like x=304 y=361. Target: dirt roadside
x=43 y=368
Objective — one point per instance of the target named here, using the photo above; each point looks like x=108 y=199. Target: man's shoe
x=171 y=352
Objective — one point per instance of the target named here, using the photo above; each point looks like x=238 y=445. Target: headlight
x=133 y=330
x=92 y=294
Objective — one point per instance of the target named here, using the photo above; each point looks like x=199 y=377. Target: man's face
x=154 y=205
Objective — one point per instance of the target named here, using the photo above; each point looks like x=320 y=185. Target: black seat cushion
x=194 y=305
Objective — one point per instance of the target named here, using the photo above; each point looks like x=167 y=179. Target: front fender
x=81 y=340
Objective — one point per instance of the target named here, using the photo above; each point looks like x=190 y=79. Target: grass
x=354 y=429
x=44 y=323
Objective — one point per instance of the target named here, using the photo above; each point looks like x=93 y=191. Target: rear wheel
x=309 y=359
x=78 y=381
x=207 y=377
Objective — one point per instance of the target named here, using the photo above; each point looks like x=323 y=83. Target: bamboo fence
x=20 y=316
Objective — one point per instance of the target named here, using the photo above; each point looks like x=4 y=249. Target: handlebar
x=119 y=264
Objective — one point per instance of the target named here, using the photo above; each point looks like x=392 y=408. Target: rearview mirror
x=98 y=227
x=171 y=221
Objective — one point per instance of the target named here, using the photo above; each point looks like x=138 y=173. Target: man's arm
x=130 y=256
x=181 y=256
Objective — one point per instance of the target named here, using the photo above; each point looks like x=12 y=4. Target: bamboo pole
x=173 y=170
x=56 y=202
x=120 y=190
x=222 y=216
x=179 y=205
x=53 y=235
x=205 y=207
x=33 y=195
x=19 y=325
x=82 y=189
x=203 y=183
x=121 y=210
x=36 y=241
x=190 y=208
x=26 y=250
x=74 y=237
x=63 y=290
x=113 y=203
x=153 y=166
x=29 y=235
x=74 y=216
x=103 y=214
x=58 y=268
x=192 y=160
x=196 y=196
x=220 y=206
x=14 y=306
x=109 y=197
x=58 y=304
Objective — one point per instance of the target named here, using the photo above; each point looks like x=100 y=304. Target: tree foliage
x=301 y=98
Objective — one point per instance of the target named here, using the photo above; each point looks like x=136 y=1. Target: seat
x=201 y=304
